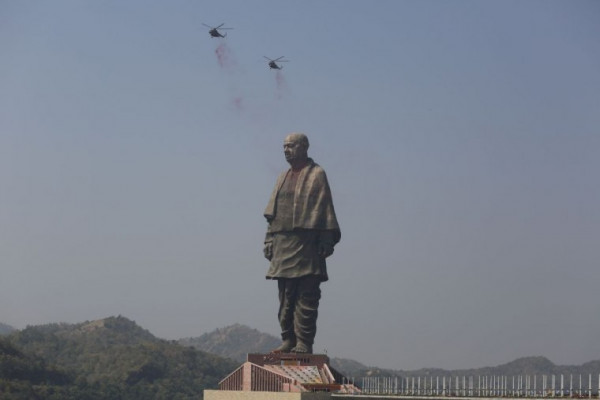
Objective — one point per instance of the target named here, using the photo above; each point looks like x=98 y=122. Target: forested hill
x=105 y=359
x=6 y=329
x=236 y=341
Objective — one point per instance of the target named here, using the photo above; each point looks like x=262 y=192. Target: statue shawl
x=313 y=205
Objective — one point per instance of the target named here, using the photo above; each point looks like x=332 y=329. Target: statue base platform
x=244 y=395
x=296 y=375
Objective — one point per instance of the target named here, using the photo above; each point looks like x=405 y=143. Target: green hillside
x=25 y=376
x=112 y=358
x=236 y=341
x=233 y=342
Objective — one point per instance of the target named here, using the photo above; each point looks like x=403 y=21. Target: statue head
x=295 y=149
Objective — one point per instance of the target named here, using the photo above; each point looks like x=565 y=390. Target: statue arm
x=326 y=243
x=268 y=246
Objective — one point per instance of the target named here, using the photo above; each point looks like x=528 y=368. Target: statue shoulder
x=317 y=171
x=315 y=168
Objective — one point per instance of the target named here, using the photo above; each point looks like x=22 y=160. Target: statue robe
x=306 y=219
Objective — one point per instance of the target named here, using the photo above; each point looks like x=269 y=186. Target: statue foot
x=302 y=347
x=285 y=347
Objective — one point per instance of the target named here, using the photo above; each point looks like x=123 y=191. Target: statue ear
x=304 y=148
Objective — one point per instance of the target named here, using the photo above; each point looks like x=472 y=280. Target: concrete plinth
x=246 y=395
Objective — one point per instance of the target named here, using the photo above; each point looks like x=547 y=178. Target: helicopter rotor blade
x=208 y=26
x=220 y=25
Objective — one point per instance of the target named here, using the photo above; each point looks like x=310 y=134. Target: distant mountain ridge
x=237 y=340
x=234 y=341
x=534 y=365
x=6 y=329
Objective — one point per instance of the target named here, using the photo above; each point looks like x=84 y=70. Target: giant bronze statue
x=302 y=231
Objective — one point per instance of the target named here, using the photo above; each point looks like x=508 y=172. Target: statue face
x=293 y=149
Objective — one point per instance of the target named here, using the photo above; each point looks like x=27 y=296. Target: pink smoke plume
x=224 y=56
x=238 y=103
x=281 y=84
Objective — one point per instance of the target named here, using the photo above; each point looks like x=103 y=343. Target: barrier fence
x=575 y=386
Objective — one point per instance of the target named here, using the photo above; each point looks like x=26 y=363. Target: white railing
x=527 y=386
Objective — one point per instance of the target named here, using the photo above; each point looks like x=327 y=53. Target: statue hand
x=325 y=250
x=268 y=250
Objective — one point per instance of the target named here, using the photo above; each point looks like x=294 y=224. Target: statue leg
x=287 y=299
x=306 y=312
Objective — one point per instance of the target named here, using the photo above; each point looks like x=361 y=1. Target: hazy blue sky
x=461 y=140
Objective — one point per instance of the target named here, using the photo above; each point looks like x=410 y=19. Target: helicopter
x=273 y=63
x=214 y=30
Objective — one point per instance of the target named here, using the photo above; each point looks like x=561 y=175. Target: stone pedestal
x=291 y=375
